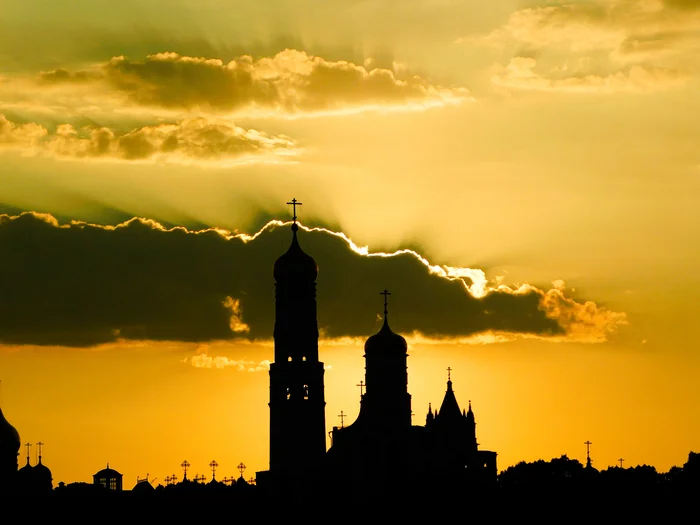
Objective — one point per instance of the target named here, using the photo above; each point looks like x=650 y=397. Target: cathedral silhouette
x=382 y=447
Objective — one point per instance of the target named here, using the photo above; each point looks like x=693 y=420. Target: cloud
x=191 y=140
x=520 y=74
x=202 y=359
x=290 y=82
x=20 y=135
x=80 y=284
x=600 y=45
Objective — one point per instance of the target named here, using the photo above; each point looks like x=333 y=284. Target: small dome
x=107 y=473
x=42 y=475
x=9 y=437
x=386 y=341
x=295 y=265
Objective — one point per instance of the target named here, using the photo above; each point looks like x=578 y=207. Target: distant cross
x=227 y=480
x=449 y=373
x=342 y=419
x=185 y=465
x=213 y=466
x=251 y=480
x=385 y=293
x=621 y=461
x=412 y=414
x=294 y=204
x=199 y=478
x=167 y=480
x=38 y=448
x=173 y=478
x=241 y=468
x=588 y=451
x=362 y=386
x=28 y=445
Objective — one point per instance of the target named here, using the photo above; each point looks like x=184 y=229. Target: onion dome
x=9 y=437
x=43 y=478
x=386 y=341
x=295 y=264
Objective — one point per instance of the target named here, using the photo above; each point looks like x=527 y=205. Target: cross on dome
x=294 y=204
x=385 y=293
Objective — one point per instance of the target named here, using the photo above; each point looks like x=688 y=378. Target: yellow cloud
x=520 y=74
x=190 y=140
x=202 y=359
x=291 y=82
x=600 y=46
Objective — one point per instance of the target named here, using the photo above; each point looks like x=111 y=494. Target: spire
x=386 y=295
x=449 y=410
x=430 y=417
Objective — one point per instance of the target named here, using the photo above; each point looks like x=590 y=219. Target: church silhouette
x=382 y=447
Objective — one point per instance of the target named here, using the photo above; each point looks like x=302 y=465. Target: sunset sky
x=523 y=176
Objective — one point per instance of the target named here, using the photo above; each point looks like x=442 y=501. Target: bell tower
x=297 y=401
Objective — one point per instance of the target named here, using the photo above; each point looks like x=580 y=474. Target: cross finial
x=28 y=445
x=213 y=466
x=385 y=293
x=588 y=449
x=185 y=465
x=362 y=386
x=241 y=468
x=294 y=204
x=342 y=419
x=38 y=448
x=449 y=373
x=621 y=461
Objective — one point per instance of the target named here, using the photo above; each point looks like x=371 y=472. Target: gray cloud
x=79 y=284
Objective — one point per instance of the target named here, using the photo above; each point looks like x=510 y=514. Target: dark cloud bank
x=80 y=285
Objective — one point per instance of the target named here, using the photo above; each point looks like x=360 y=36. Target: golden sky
x=522 y=176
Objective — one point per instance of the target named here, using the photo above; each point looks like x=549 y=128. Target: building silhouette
x=297 y=402
x=108 y=478
x=382 y=446
x=36 y=478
